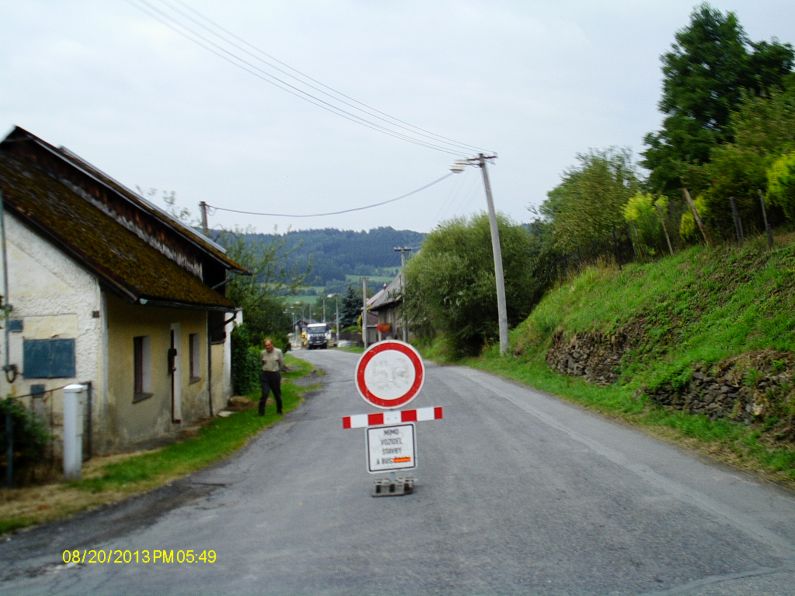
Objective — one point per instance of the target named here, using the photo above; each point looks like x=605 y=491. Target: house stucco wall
x=139 y=422
x=52 y=297
x=220 y=391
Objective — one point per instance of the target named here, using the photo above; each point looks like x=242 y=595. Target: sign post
x=389 y=375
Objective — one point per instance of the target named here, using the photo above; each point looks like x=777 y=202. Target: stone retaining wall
x=753 y=387
x=592 y=355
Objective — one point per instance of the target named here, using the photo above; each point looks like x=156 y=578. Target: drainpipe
x=9 y=369
x=209 y=365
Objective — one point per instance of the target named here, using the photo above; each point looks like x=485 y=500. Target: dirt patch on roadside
x=56 y=500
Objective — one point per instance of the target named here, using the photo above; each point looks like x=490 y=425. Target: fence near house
x=45 y=407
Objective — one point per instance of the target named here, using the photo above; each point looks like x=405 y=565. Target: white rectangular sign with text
x=391 y=448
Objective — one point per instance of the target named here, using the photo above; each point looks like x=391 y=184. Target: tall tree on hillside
x=766 y=124
x=258 y=294
x=586 y=209
x=763 y=128
x=451 y=281
x=781 y=184
x=711 y=64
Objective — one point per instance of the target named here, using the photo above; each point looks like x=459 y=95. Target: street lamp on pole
x=499 y=278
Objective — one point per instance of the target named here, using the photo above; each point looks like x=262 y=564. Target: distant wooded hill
x=334 y=254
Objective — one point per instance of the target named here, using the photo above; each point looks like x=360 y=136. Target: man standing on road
x=270 y=376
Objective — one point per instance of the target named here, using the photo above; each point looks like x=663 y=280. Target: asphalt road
x=516 y=493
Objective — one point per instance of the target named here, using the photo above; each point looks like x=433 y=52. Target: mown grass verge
x=696 y=309
x=351 y=349
x=726 y=441
x=110 y=479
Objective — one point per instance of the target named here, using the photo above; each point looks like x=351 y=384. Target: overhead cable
x=362 y=208
x=235 y=60
x=189 y=33
x=315 y=84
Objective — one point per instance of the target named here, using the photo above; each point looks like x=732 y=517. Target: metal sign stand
x=393 y=486
x=392 y=449
x=388 y=376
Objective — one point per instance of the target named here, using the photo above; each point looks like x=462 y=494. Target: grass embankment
x=352 y=349
x=110 y=479
x=697 y=308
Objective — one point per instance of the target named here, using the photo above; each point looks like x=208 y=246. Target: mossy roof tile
x=116 y=255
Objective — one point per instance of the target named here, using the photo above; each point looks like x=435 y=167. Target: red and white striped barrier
x=392 y=417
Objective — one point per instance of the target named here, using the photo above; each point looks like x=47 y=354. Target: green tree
x=781 y=184
x=766 y=123
x=709 y=68
x=350 y=307
x=645 y=215
x=585 y=209
x=687 y=223
x=738 y=173
x=764 y=129
x=548 y=262
x=258 y=294
x=29 y=436
x=452 y=281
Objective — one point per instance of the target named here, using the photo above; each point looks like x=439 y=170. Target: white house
x=106 y=289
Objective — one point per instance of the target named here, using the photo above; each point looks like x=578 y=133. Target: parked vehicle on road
x=316 y=336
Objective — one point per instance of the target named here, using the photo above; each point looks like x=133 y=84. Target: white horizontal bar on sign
x=358 y=421
x=392 y=417
x=424 y=414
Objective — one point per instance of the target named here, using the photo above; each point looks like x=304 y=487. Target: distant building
x=387 y=306
x=109 y=290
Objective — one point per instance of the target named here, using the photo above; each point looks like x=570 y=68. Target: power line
x=230 y=57
x=211 y=46
x=305 y=77
x=408 y=194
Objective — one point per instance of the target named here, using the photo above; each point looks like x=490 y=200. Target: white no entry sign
x=389 y=374
x=391 y=448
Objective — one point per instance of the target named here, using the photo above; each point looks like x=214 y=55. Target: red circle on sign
x=373 y=357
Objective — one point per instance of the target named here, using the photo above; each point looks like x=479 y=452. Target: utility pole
x=499 y=278
x=403 y=250
x=203 y=207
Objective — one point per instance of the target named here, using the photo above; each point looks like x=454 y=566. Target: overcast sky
x=536 y=82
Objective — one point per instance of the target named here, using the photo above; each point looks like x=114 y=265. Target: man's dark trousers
x=270 y=381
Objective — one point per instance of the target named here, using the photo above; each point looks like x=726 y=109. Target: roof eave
x=178 y=227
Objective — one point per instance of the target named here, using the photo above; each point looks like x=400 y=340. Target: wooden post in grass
x=768 y=231
x=696 y=216
x=661 y=216
x=738 y=224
